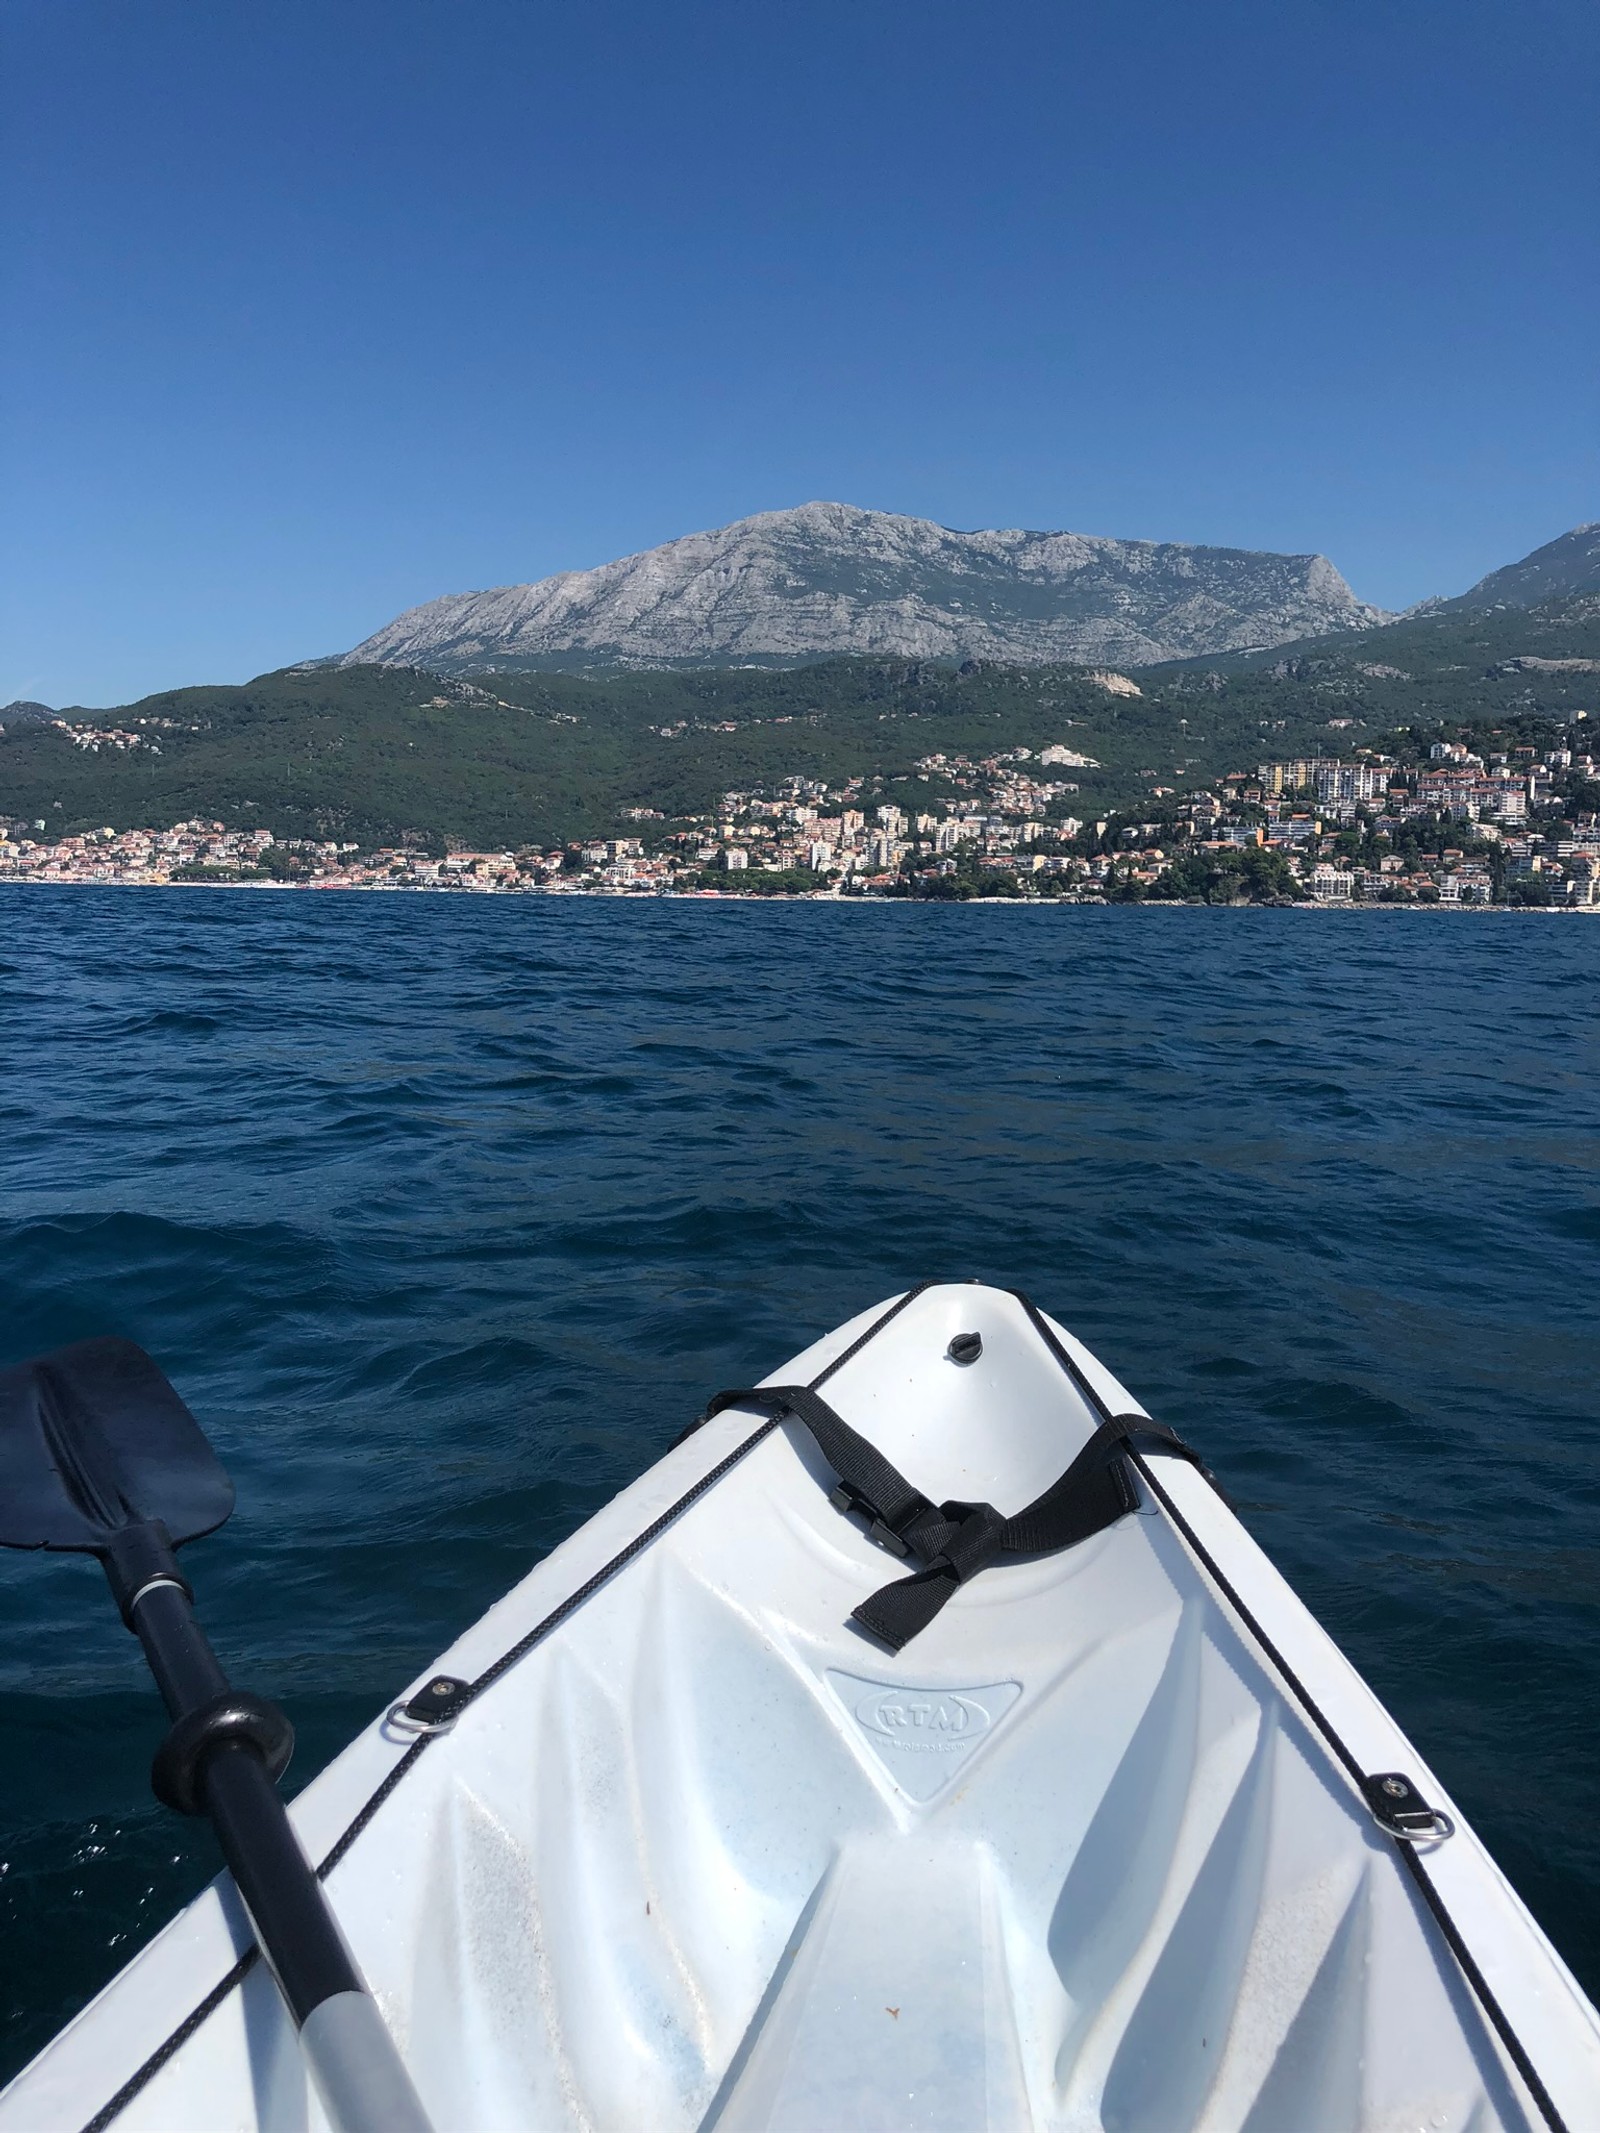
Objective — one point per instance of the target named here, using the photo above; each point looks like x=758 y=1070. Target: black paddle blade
x=94 y=1439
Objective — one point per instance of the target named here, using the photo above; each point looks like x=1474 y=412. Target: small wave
x=171 y=1022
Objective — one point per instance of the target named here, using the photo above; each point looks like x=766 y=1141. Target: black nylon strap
x=873 y=1485
x=955 y=1540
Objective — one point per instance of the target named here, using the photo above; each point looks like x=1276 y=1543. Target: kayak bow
x=921 y=1743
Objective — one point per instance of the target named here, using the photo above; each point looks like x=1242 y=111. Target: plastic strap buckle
x=845 y=1499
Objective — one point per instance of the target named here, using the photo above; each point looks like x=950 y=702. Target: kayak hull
x=706 y=1855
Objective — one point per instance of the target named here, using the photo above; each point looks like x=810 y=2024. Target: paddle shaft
x=363 y=2083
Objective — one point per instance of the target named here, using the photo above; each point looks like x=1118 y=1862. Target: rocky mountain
x=23 y=711
x=827 y=579
x=1568 y=565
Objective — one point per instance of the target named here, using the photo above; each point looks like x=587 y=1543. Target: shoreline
x=721 y=896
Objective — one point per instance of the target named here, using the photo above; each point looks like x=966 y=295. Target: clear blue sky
x=316 y=311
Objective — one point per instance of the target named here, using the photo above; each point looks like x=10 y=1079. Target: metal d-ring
x=433 y=1709
x=1398 y=1807
x=1443 y=1827
x=399 y=1720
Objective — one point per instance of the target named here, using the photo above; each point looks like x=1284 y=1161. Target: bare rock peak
x=829 y=578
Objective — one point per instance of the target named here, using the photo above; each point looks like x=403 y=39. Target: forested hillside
x=376 y=754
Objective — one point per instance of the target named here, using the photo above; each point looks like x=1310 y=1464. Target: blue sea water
x=446 y=1213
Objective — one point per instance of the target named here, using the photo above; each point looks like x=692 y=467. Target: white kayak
x=672 y=1839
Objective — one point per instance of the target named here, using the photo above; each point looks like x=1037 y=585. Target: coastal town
x=1457 y=826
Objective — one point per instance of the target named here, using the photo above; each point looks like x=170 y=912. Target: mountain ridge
x=824 y=580
x=1568 y=565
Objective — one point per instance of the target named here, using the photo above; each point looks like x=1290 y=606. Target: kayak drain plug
x=965 y=1348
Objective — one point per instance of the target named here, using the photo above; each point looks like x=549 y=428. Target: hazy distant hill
x=827 y=579
x=1563 y=567
x=1451 y=644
